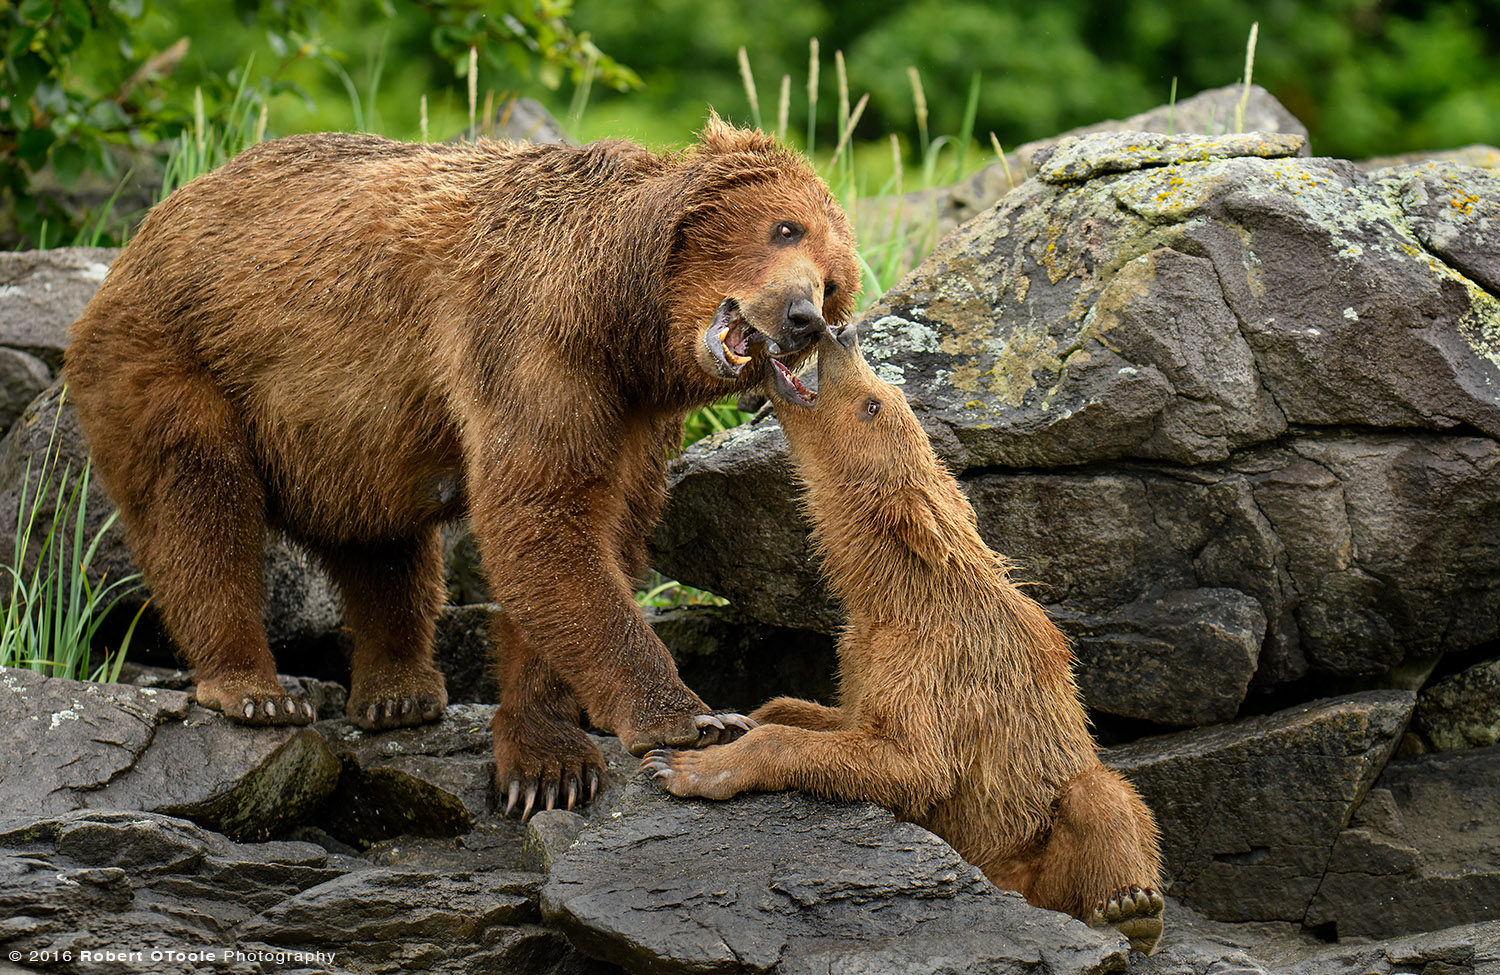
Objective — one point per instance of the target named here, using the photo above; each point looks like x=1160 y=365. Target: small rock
x=1184 y=658
x=1421 y=853
x=22 y=379
x=551 y=832
x=1462 y=711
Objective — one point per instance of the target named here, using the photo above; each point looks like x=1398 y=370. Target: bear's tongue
x=790 y=386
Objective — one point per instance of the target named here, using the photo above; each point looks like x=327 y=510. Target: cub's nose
x=803 y=317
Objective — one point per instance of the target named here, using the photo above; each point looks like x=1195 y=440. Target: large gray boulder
x=43 y=292
x=1235 y=417
x=97 y=886
x=930 y=215
x=1250 y=811
x=79 y=745
x=784 y=884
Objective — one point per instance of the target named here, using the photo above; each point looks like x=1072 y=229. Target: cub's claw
x=1135 y=912
x=706 y=773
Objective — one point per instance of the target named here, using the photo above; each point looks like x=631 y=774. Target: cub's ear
x=914 y=525
x=718 y=136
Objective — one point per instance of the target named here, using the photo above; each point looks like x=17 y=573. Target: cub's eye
x=830 y=288
x=786 y=232
x=872 y=407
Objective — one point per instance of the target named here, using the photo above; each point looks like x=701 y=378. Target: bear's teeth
x=734 y=357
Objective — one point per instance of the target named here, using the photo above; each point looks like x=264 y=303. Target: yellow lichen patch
x=1464 y=204
x=1012 y=375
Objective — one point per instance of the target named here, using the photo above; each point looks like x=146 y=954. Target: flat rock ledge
x=140 y=833
x=789 y=884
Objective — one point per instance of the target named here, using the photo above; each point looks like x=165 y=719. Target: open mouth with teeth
x=732 y=341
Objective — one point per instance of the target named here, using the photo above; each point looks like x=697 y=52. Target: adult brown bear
x=350 y=340
x=959 y=711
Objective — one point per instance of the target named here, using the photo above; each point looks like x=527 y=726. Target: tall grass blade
x=966 y=132
x=812 y=95
x=747 y=78
x=473 y=86
x=1239 y=110
x=1004 y=166
x=783 y=107
x=580 y=101
x=919 y=103
x=848 y=132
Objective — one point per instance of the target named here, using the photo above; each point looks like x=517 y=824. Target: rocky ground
x=1234 y=412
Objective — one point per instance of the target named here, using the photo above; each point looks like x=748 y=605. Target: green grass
x=54 y=610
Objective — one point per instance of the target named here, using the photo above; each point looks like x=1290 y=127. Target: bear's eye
x=786 y=232
x=872 y=407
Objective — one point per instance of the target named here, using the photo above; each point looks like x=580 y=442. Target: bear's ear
x=915 y=526
x=718 y=136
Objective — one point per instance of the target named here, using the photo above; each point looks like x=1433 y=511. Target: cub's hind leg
x=176 y=460
x=1101 y=862
x=391 y=593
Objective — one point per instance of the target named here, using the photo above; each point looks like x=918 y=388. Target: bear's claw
x=253 y=701
x=397 y=712
x=687 y=731
x=1135 y=912
x=561 y=793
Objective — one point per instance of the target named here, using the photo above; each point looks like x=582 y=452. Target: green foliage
x=54 y=610
x=663 y=593
x=93 y=87
x=712 y=419
x=1368 y=77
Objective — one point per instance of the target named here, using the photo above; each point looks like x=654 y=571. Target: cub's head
x=763 y=258
x=856 y=429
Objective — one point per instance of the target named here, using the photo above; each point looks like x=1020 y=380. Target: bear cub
x=959 y=708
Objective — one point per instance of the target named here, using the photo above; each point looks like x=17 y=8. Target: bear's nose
x=802 y=316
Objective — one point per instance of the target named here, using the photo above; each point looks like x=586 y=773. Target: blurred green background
x=90 y=85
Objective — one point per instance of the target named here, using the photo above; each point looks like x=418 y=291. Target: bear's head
x=763 y=258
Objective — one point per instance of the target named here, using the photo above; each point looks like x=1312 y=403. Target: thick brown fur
x=959 y=708
x=350 y=340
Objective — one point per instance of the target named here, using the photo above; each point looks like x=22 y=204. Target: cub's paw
x=686 y=731
x=253 y=703
x=1135 y=912
x=544 y=765
x=397 y=711
x=705 y=774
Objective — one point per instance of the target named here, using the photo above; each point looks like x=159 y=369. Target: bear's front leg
x=553 y=563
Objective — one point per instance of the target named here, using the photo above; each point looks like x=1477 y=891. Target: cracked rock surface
x=403 y=865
